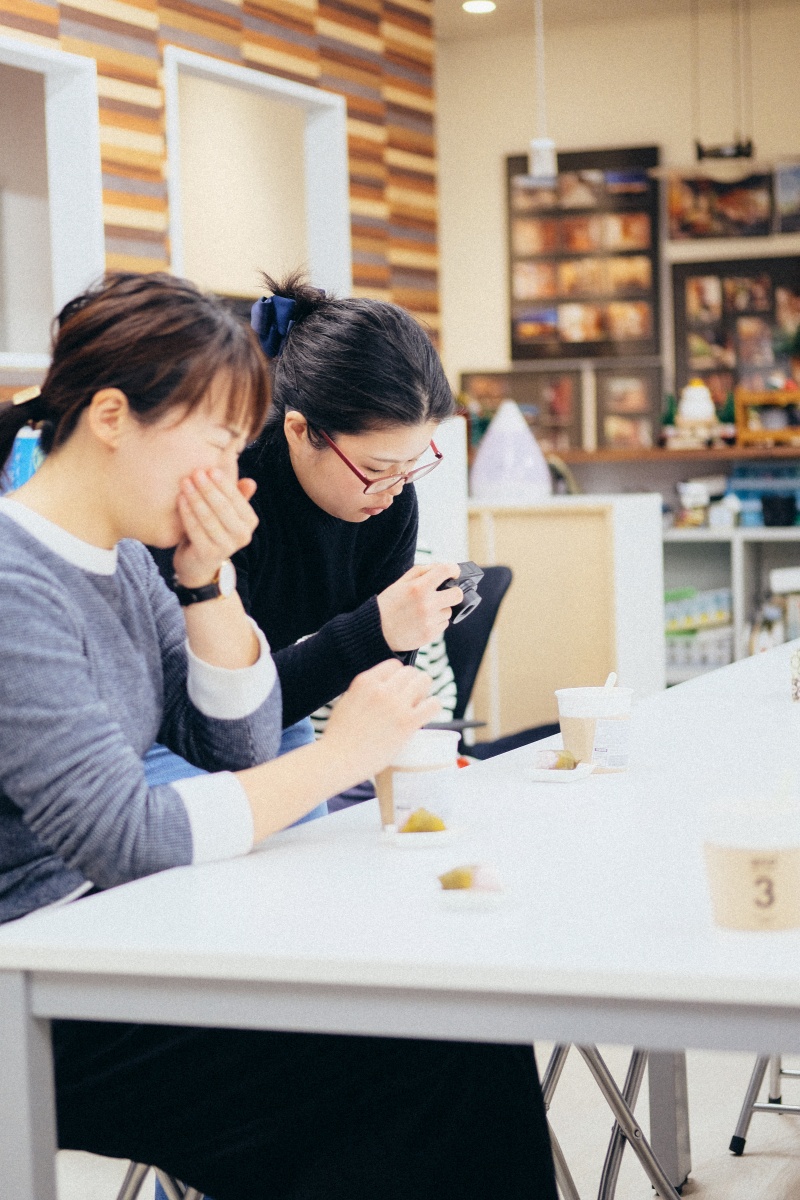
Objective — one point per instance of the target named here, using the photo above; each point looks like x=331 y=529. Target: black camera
x=468 y=581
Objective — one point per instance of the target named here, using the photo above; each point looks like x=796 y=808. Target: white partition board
x=75 y=189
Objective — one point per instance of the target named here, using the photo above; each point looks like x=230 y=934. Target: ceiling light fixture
x=542 y=159
x=479 y=6
x=741 y=79
x=728 y=162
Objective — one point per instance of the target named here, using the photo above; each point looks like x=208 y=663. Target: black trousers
x=242 y=1115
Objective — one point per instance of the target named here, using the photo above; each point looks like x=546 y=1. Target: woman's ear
x=108 y=415
x=295 y=427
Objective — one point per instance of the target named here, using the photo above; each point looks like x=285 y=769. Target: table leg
x=27 y=1102
x=669 y=1115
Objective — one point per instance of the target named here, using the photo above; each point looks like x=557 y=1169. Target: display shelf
x=755 y=533
x=738 y=558
x=722 y=454
x=704 y=249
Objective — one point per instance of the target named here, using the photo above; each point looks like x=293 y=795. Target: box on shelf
x=695 y=651
x=751 y=482
x=687 y=609
x=767 y=418
x=783 y=580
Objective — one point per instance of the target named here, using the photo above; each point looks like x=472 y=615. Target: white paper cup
x=428 y=751
x=752 y=858
x=432 y=790
x=595 y=725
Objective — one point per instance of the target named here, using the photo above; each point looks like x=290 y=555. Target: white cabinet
x=736 y=558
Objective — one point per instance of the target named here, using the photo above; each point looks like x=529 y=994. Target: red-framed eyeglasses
x=371 y=486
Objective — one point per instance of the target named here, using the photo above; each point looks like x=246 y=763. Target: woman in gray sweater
x=152 y=393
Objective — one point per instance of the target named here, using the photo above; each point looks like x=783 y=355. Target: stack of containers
x=699 y=631
x=752 y=481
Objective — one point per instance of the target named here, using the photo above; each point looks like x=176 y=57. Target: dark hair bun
x=296 y=287
x=353 y=365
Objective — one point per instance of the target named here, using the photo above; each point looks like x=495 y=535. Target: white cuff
x=220 y=816
x=229 y=695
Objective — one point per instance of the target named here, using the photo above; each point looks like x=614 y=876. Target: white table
x=606 y=935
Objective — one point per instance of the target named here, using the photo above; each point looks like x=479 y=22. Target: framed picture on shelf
x=699 y=207
x=550 y=402
x=733 y=322
x=628 y=407
x=583 y=257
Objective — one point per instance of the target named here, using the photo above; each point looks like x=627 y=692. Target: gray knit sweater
x=94 y=667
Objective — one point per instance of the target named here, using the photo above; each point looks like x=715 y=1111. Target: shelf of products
x=584 y=256
x=699 y=632
x=738 y=559
x=721 y=454
x=573 y=405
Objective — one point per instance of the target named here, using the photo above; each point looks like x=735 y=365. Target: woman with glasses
x=358 y=393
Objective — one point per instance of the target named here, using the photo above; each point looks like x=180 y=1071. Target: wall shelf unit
x=666 y=457
x=739 y=558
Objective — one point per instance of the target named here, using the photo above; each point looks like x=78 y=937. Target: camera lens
x=468 y=604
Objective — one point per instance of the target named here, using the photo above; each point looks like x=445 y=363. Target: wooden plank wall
x=377 y=53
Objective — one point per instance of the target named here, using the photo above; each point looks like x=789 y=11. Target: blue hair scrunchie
x=273 y=321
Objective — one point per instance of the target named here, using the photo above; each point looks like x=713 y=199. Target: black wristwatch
x=223 y=584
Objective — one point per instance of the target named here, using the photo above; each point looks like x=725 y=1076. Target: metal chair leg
x=624 y=1116
x=616 y=1146
x=174 y=1189
x=132 y=1183
x=774 y=1095
x=566 y=1184
x=552 y=1073
x=751 y=1095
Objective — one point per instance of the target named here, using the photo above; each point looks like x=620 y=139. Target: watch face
x=227 y=579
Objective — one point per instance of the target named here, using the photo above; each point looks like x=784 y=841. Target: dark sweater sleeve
x=314 y=671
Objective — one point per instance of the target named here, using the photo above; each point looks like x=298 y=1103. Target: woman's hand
x=377 y=714
x=380 y=711
x=217 y=520
x=412 y=612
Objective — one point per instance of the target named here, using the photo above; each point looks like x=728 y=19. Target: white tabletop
x=605 y=887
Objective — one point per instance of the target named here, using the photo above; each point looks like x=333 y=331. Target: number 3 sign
x=754 y=889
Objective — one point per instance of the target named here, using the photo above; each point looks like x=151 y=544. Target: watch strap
x=187 y=595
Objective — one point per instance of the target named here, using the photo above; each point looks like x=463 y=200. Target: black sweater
x=306 y=572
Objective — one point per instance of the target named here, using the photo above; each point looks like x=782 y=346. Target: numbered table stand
x=604 y=933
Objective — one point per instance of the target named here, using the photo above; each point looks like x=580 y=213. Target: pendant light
x=741 y=147
x=729 y=162
x=542 y=167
